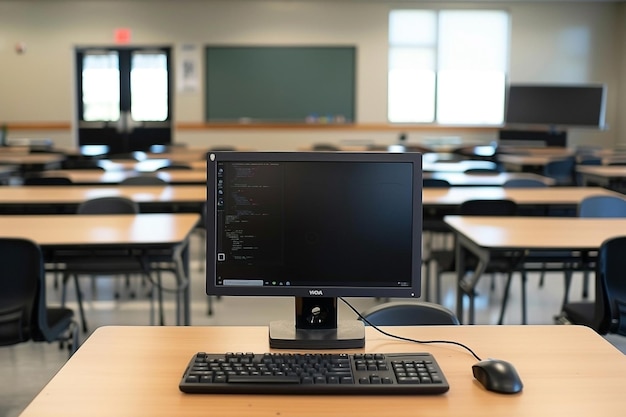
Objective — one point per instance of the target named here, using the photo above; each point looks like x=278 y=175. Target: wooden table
x=610 y=176
x=459 y=179
x=438 y=202
x=485 y=236
x=96 y=177
x=148 y=165
x=134 y=371
x=457 y=166
x=32 y=161
x=128 y=231
x=66 y=198
x=530 y=159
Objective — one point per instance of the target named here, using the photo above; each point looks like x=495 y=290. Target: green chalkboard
x=279 y=84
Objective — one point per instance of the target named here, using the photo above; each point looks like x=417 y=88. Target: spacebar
x=260 y=379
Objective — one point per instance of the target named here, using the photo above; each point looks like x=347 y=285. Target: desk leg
x=181 y=260
x=467 y=286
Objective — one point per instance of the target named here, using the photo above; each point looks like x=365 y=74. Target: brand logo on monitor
x=316 y=292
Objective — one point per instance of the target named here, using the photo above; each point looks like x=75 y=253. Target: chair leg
x=79 y=298
x=585 y=293
x=523 y=280
x=160 y=299
x=505 y=298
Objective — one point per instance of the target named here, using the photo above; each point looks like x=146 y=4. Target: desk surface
x=134 y=371
x=75 y=194
x=537 y=233
x=615 y=171
x=477 y=180
x=95 y=177
x=100 y=230
x=31 y=159
x=525 y=196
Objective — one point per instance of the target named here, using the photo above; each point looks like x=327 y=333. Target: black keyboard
x=313 y=373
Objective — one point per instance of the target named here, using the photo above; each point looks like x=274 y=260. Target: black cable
x=408 y=339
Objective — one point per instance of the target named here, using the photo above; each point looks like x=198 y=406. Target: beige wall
x=551 y=42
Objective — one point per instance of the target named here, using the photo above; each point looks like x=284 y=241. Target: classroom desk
x=148 y=165
x=610 y=176
x=438 y=202
x=97 y=177
x=528 y=162
x=457 y=166
x=32 y=161
x=66 y=198
x=6 y=172
x=134 y=371
x=141 y=232
x=459 y=179
x=485 y=236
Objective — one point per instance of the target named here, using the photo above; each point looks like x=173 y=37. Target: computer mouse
x=498 y=376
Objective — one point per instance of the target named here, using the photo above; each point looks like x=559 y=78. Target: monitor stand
x=316 y=327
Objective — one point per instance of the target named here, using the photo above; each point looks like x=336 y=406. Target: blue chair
x=602 y=206
x=414 y=313
x=597 y=206
x=561 y=170
x=523 y=183
x=607 y=313
x=24 y=313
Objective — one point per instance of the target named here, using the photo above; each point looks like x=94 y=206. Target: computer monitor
x=556 y=105
x=314 y=226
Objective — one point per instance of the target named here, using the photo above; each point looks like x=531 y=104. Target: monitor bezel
x=411 y=291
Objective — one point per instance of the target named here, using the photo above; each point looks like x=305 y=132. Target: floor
x=26 y=368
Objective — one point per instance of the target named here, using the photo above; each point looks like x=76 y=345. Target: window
x=447 y=66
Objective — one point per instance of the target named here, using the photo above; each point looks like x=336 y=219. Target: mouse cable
x=408 y=339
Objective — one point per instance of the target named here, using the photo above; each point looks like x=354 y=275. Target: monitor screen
x=314 y=226
x=556 y=105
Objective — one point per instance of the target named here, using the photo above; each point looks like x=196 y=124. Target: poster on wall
x=188 y=68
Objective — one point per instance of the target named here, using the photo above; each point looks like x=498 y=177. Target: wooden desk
x=66 y=198
x=458 y=166
x=529 y=162
x=485 y=236
x=88 y=232
x=610 y=176
x=149 y=165
x=33 y=161
x=96 y=177
x=438 y=202
x=134 y=371
x=455 y=196
x=458 y=179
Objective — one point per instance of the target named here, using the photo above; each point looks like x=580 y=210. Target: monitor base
x=350 y=334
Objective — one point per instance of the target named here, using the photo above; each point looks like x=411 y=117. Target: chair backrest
x=561 y=170
x=610 y=304
x=47 y=181
x=523 y=183
x=22 y=269
x=328 y=147
x=435 y=183
x=399 y=313
x=482 y=171
x=488 y=208
x=602 y=206
x=143 y=180
x=108 y=205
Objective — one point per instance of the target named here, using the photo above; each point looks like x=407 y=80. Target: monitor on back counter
x=556 y=106
x=315 y=226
